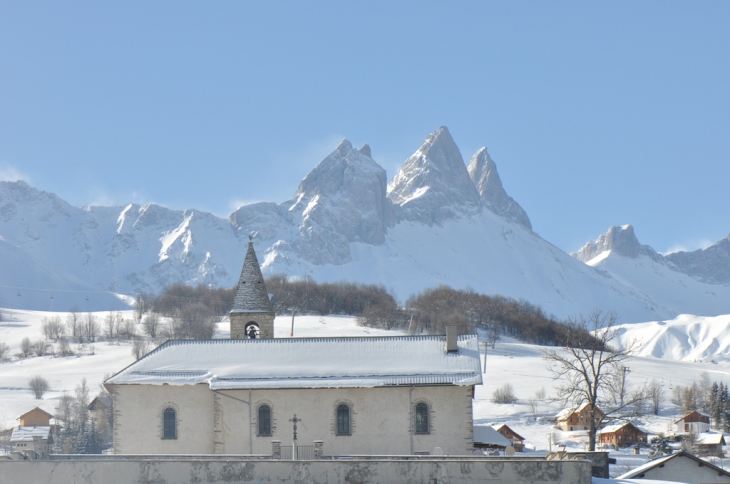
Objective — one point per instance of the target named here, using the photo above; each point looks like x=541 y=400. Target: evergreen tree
x=659 y=446
x=715 y=409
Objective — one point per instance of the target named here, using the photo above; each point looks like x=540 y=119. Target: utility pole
x=624 y=371
x=291 y=335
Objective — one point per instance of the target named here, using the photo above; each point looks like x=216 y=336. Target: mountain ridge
x=438 y=221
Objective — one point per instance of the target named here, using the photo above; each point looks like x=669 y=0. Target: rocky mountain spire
x=251 y=296
x=342 y=200
x=619 y=240
x=433 y=185
x=483 y=172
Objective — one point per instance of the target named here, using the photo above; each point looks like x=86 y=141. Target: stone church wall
x=219 y=422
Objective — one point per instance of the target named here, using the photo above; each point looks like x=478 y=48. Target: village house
x=710 y=444
x=694 y=422
x=487 y=437
x=518 y=442
x=622 y=434
x=34 y=432
x=577 y=418
x=251 y=393
x=680 y=467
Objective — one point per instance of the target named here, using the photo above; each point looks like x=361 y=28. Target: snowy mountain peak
x=618 y=240
x=483 y=172
x=710 y=265
x=433 y=185
x=365 y=150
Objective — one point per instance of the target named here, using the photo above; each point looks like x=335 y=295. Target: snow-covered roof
x=308 y=363
x=251 y=295
x=505 y=426
x=567 y=412
x=663 y=460
x=485 y=434
x=25 y=434
x=609 y=429
x=710 y=438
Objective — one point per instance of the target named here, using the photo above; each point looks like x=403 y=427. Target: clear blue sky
x=597 y=113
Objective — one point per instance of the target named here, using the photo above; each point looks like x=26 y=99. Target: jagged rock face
x=710 y=265
x=619 y=240
x=483 y=172
x=342 y=200
x=433 y=185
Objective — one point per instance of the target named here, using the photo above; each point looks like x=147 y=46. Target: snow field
x=510 y=361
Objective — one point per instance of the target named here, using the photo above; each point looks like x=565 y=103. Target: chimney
x=451 y=345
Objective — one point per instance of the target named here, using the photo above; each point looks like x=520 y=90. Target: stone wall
x=238 y=321
x=137 y=470
x=222 y=422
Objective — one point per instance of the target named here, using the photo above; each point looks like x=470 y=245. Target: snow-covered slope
x=619 y=253
x=436 y=222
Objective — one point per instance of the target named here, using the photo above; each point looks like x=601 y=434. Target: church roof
x=251 y=296
x=308 y=363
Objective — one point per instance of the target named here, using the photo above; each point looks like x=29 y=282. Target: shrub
x=38 y=386
x=504 y=394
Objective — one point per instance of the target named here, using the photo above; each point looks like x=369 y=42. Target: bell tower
x=252 y=315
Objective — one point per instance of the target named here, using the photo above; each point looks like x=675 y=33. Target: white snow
x=511 y=362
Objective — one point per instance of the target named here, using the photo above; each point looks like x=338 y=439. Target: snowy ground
x=510 y=362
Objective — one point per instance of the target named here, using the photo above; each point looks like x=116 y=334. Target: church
x=394 y=395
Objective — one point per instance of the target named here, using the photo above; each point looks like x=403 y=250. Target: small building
x=34 y=418
x=578 y=418
x=38 y=439
x=710 y=444
x=518 y=442
x=694 y=422
x=622 y=434
x=486 y=437
x=680 y=467
x=100 y=409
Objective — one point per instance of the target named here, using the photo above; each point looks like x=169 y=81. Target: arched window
x=343 y=419
x=169 y=423
x=252 y=330
x=264 y=420
x=422 y=423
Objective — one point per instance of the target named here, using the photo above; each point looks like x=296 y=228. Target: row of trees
x=76 y=432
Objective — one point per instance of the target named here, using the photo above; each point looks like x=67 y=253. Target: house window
x=169 y=423
x=343 y=419
x=422 y=420
x=264 y=423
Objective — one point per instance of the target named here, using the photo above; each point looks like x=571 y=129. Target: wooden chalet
x=518 y=441
x=622 y=435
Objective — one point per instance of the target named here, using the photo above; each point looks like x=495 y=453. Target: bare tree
x=504 y=394
x=73 y=322
x=53 y=328
x=38 y=386
x=40 y=348
x=655 y=394
x=64 y=347
x=26 y=347
x=111 y=325
x=140 y=347
x=91 y=327
x=151 y=325
x=4 y=351
x=588 y=366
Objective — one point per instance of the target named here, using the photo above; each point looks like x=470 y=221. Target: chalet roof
x=308 y=363
x=504 y=426
x=25 y=434
x=485 y=434
x=251 y=296
x=609 y=429
x=710 y=438
x=663 y=460
x=100 y=400
x=39 y=409
x=567 y=412
x=690 y=413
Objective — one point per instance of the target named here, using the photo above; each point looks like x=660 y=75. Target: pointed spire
x=251 y=296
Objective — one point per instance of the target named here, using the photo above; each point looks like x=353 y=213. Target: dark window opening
x=264 y=420
x=422 y=423
x=343 y=419
x=169 y=423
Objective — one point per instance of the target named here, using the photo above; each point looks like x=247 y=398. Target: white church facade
x=356 y=396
